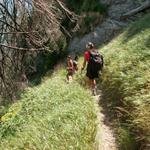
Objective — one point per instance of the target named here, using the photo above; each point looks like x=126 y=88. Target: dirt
x=105 y=138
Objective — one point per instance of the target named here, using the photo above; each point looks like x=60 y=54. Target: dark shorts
x=70 y=73
x=91 y=72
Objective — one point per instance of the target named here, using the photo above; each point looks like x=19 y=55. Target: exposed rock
x=101 y=34
x=141 y=8
x=111 y=26
x=105 y=2
x=120 y=7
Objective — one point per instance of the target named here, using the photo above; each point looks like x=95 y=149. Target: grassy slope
x=54 y=115
x=126 y=81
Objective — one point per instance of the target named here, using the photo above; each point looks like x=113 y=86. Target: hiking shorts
x=70 y=73
x=91 y=72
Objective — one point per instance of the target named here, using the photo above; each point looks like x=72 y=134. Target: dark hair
x=90 y=45
x=76 y=57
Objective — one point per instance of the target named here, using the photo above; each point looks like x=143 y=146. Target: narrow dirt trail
x=105 y=139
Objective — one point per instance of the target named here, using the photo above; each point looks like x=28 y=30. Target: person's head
x=89 y=45
x=76 y=57
x=69 y=57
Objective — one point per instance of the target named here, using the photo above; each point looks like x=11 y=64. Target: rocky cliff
x=113 y=23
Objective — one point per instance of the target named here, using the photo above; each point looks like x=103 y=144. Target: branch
x=24 y=49
x=65 y=9
x=18 y=32
x=7 y=24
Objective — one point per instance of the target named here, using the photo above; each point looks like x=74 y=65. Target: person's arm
x=84 y=64
x=71 y=65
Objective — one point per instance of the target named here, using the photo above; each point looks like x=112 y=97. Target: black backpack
x=96 y=60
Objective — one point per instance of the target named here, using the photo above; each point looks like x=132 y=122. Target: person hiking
x=70 y=68
x=94 y=62
x=75 y=63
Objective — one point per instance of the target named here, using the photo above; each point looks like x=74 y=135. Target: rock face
x=120 y=7
x=101 y=34
x=110 y=27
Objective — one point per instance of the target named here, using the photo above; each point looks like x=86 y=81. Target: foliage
x=126 y=83
x=27 y=28
x=54 y=115
x=90 y=15
x=45 y=62
x=85 y=6
x=126 y=140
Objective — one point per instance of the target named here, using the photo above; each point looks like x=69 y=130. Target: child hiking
x=94 y=62
x=70 y=68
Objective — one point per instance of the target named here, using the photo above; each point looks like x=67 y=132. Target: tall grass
x=126 y=83
x=53 y=116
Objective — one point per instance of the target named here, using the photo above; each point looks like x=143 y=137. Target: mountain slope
x=126 y=83
x=54 y=115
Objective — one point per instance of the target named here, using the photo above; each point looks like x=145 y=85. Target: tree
x=27 y=27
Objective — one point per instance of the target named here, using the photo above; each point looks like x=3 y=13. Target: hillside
x=53 y=116
x=126 y=84
x=40 y=110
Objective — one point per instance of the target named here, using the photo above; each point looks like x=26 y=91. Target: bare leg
x=69 y=78
x=93 y=86
x=92 y=83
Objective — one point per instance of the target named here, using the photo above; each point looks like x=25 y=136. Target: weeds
x=126 y=81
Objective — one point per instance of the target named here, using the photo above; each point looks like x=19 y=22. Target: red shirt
x=87 y=56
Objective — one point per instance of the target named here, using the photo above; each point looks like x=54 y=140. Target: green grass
x=53 y=116
x=126 y=81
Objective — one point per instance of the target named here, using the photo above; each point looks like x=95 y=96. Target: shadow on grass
x=45 y=64
x=124 y=139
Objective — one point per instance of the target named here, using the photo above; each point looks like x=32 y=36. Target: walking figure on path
x=94 y=61
x=70 y=69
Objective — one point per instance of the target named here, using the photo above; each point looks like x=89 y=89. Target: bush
x=91 y=14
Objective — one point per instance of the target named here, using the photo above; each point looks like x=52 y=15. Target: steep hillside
x=53 y=116
x=126 y=84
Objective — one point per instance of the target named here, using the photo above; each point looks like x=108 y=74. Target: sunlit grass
x=53 y=116
x=126 y=80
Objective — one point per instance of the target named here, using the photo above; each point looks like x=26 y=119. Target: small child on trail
x=70 y=68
